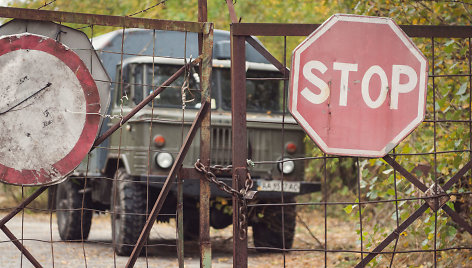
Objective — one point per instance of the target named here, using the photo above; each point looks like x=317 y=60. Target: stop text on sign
x=358 y=85
x=345 y=68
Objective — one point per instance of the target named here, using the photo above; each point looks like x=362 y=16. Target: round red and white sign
x=358 y=85
x=49 y=110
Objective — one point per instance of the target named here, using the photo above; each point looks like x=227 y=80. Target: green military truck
x=127 y=172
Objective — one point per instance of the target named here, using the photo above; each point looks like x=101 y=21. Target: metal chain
x=241 y=195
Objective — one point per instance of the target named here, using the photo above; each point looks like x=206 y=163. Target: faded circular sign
x=49 y=110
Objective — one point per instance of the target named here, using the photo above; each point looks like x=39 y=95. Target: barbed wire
x=47 y=4
x=147 y=9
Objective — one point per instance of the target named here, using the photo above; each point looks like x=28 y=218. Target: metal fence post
x=205 y=43
x=239 y=139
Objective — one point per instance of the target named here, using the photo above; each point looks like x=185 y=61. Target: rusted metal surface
x=144 y=102
x=435 y=203
x=180 y=220
x=104 y=20
x=167 y=186
x=336 y=109
x=46 y=131
x=273 y=29
x=458 y=219
x=239 y=138
x=205 y=48
x=232 y=13
x=278 y=29
x=461 y=173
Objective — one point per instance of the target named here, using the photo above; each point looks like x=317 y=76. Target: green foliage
x=11 y=196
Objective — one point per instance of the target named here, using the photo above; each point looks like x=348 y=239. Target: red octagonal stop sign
x=358 y=85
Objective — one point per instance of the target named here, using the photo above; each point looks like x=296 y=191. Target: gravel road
x=97 y=251
x=40 y=229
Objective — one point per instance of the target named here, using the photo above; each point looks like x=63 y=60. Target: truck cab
x=128 y=171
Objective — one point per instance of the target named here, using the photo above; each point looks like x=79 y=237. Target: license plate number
x=276 y=186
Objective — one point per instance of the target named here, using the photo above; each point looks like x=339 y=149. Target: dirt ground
x=38 y=230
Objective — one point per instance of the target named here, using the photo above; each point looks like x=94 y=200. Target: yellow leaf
x=430 y=236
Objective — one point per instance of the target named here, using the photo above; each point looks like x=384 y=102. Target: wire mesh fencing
x=155 y=108
x=411 y=207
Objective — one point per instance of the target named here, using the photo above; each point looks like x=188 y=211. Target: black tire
x=191 y=223
x=267 y=231
x=73 y=222
x=128 y=212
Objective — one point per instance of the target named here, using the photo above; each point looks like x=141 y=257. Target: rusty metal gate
x=401 y=186
x=90 y=22
x=429 y=191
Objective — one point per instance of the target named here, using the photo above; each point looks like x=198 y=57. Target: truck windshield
x=148 y=77
x=264 y=90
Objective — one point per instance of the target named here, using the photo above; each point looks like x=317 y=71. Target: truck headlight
x=164 y=160
x=286 y=166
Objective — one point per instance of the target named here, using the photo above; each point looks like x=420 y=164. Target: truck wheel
x=267 y=231
x=191 y=223
x=73 y=221
x=128 y=207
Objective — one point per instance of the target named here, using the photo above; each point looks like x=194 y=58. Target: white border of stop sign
x=313 y=69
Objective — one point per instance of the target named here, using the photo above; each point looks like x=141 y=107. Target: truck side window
x=172 y=96
x=264 y=95
x=138 y=83
x=264 y=92
x=123 y=88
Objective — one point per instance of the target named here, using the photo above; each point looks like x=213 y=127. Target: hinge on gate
x=437 y=199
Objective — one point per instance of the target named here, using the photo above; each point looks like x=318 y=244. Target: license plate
x=276 y=186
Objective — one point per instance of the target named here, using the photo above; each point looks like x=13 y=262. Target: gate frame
x=202 y=121
x=241 y=32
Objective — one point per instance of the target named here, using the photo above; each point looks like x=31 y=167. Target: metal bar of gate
x=232 y=12
x=396 y=233
x=261 y=49
x=239 y=139
x=12 y=214
x=20 y=246
x=104 y=20
x=167 y=186
x=205 y=43
x=279 y=29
